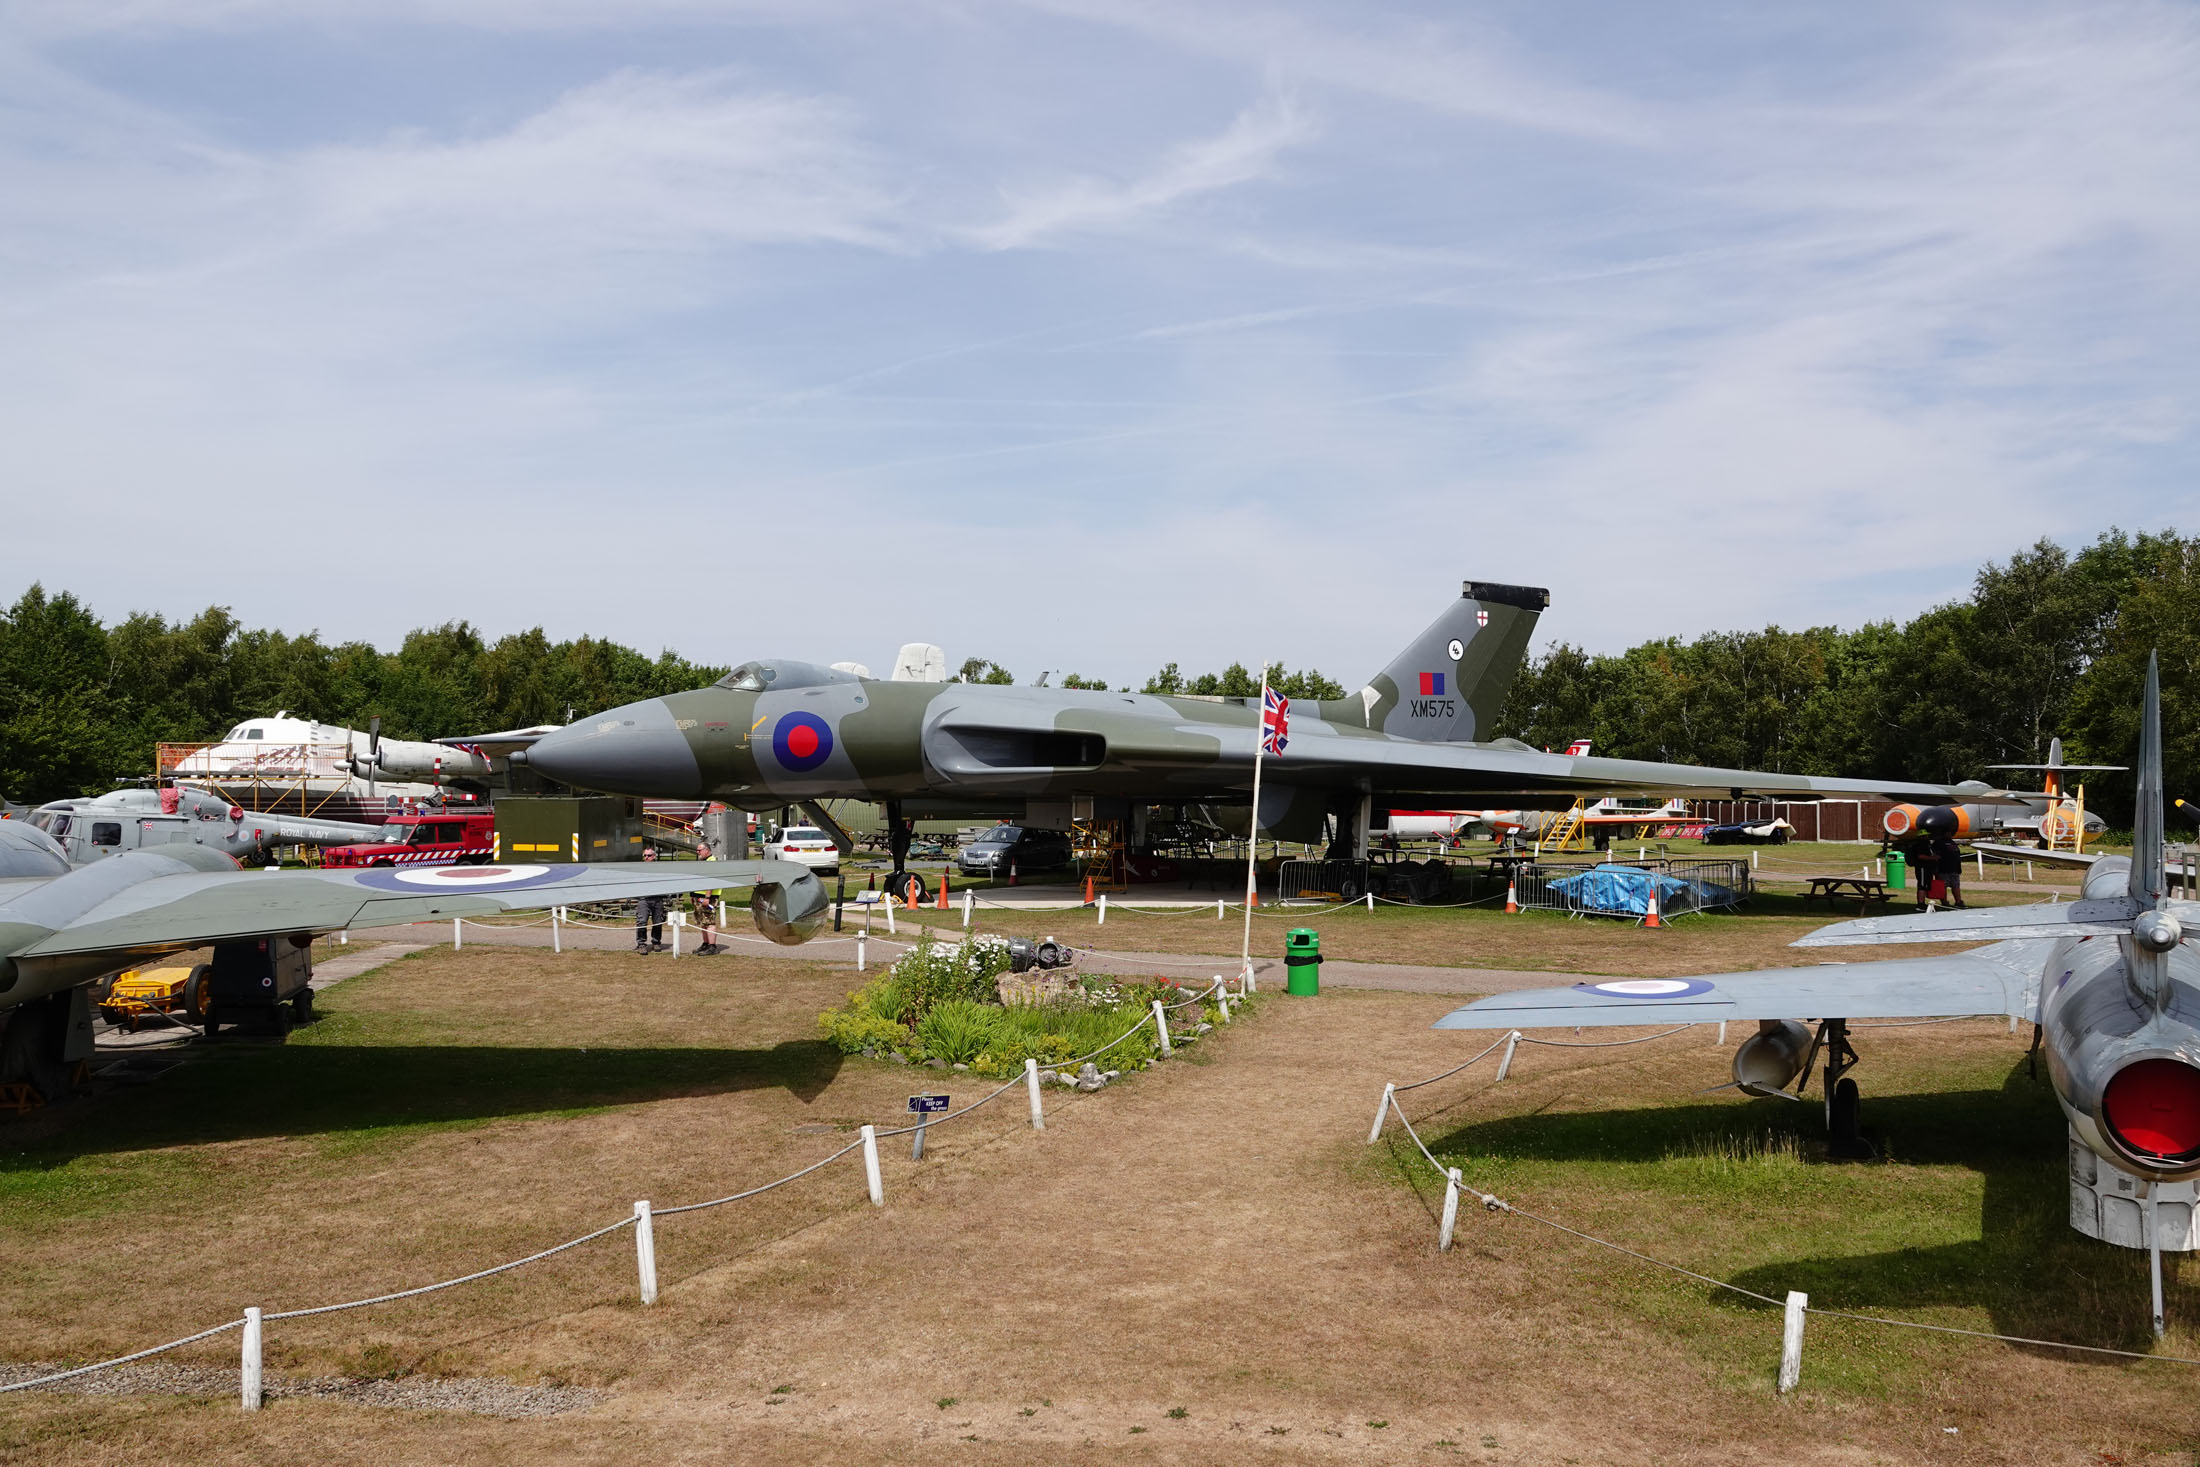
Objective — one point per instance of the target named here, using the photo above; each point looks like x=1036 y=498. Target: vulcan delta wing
x=1418 y=735
x=2112 y=982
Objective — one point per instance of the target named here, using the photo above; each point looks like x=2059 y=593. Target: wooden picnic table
x=1866 y=890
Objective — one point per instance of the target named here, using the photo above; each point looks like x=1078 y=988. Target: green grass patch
x=1963 y=1221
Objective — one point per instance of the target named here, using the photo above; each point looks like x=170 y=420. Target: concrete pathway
x=881 y=950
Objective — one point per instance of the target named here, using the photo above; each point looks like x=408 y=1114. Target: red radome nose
x=2153 y=1108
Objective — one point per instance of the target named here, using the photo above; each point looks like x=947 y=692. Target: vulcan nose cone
x=635 y=750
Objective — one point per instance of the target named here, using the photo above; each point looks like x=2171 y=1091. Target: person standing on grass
x=704 y=904
x=1918 y=852
x=649 y=917
x=1948 y=866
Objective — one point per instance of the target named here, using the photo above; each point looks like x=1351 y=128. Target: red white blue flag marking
x=1275 y=723
x=1432 y=685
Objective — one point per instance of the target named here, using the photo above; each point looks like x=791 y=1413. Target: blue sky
x=1084 y=335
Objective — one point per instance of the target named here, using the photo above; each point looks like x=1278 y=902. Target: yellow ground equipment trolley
x=139 y=993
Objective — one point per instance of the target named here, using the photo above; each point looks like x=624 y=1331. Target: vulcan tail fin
x=1449 y=685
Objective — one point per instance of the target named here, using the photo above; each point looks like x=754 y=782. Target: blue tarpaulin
x=1625 y=891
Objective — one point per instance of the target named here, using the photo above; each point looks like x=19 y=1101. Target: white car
x=805 y=845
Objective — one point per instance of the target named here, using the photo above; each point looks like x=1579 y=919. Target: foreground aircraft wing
x=1998 y=980
x=171 y=912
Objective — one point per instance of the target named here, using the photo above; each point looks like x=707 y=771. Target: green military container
x=559 y=828
x=1302 y=958
x=1898 y=871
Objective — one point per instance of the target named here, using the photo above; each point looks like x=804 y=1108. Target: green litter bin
x=1302 y=961
x=1898 y=871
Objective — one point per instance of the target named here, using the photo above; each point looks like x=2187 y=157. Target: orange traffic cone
x=1650 y=918
x=945 y=872
x=1512 y=896
x=1088 y=888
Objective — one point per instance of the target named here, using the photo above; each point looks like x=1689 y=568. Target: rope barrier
x=1607 y=1043
x=24 y=1385
x=624 y=1222
x=756 y=1191
x=1455 y=1069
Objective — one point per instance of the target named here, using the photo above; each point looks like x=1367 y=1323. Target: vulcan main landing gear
x=907 y=887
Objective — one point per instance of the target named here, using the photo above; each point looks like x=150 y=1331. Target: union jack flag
x=1275 y=722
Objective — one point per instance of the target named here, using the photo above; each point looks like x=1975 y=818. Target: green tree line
x=82 y=704
x=2048 y=643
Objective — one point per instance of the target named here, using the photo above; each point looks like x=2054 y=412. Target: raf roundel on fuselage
x=802 y=741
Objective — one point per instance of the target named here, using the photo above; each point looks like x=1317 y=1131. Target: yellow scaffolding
x=1099 y=845
x=1569 y=832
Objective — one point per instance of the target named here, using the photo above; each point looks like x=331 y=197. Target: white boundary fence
x=644 y=1217
x=1794 y=1308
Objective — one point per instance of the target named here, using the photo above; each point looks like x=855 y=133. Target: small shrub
x=855 y=1029
x=957 y=1030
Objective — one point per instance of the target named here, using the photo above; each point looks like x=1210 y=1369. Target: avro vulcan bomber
x=1417 y=736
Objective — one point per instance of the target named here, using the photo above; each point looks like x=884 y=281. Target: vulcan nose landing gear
x=1844 y=1102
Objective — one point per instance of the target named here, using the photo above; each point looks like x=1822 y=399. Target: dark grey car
x=1026 y=848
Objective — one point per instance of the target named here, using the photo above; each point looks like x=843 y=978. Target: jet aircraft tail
x=1449 y=684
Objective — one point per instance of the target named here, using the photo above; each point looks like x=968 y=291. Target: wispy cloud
x=1249 y=148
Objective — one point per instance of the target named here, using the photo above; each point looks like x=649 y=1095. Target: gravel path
x=479 y=1397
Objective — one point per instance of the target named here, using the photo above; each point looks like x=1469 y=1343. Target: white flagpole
x=1252 y=826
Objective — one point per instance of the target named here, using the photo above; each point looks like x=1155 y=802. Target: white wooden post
x=2028 y=871
x=1382 y=1113
x=1981 y=864
x=1161 y=1027
x=1722 y=1033
x=1222 y=998
x=678 y=921
x=1753 y=860
x=1451 y=1209
x=557 y=936
x=458 y=939
x=1031 y=1084
x=1370 y=899
x=1791 y=1341
x=645 y=1251
x=1504 y=1066
x=1103 y=911
x=889 y=904
x=968 y=899
x=1247 y=980
x=870 y=1167
x=343 y=938
x=2154 y=1257
x=1218 y=909
x=248 y=1377
x=859 y=950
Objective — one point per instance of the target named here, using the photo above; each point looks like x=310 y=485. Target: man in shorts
x=649 y=917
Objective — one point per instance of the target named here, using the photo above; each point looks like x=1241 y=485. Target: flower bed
x=947 y=1004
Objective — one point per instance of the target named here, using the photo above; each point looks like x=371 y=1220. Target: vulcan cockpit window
x=749 y=677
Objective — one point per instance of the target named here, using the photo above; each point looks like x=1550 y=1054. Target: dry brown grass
x=1212 y=1236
